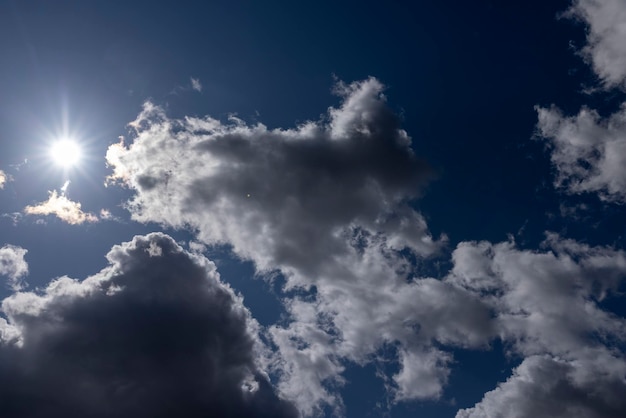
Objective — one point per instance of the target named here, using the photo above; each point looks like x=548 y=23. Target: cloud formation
x=606 y=38
x=326 y=203
x=154 y=334
x=63 y=208
x=13 y=265
x=545 y=307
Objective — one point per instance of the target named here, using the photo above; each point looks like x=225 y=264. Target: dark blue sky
x=462 y=77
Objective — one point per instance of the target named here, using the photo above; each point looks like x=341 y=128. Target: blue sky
x=342 y=209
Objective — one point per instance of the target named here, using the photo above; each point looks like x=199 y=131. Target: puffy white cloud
x=63 y=208
x=327 y=204
x=13 y=265
x=545 y=308
x=154 y=334
x=588 y=152
x=606 y=38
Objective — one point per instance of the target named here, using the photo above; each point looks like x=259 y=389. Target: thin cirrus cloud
x=13 y=265
x=171 y=340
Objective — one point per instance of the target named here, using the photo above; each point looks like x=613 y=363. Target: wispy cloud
x=196 y=85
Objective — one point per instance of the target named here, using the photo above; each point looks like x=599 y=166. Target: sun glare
x=65 y=153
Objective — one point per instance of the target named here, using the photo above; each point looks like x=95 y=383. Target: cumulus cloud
x=63 y=208
x=327 y=203
x=154 y=334
x=545 y=308
x=588 y=152
x=606 y=38
x=13 y=265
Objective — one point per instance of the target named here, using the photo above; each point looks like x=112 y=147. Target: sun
x=65 y=153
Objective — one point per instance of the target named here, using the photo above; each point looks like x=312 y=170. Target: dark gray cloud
x=155 y=334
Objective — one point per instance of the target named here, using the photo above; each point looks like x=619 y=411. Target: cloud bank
x=155 y=334
x=13 y=265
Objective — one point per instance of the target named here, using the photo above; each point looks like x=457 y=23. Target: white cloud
x=63 y=208
x=196 y=85
x=545 y=308
x=588 y=152
x=606 y=38
x=155 y=331
x=13 y=265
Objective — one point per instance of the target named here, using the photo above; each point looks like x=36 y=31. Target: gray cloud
x=544 y=386
x=606 y=38
x=155 y=334
x=545 y=308
x=13 y=265
x=588 y=152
